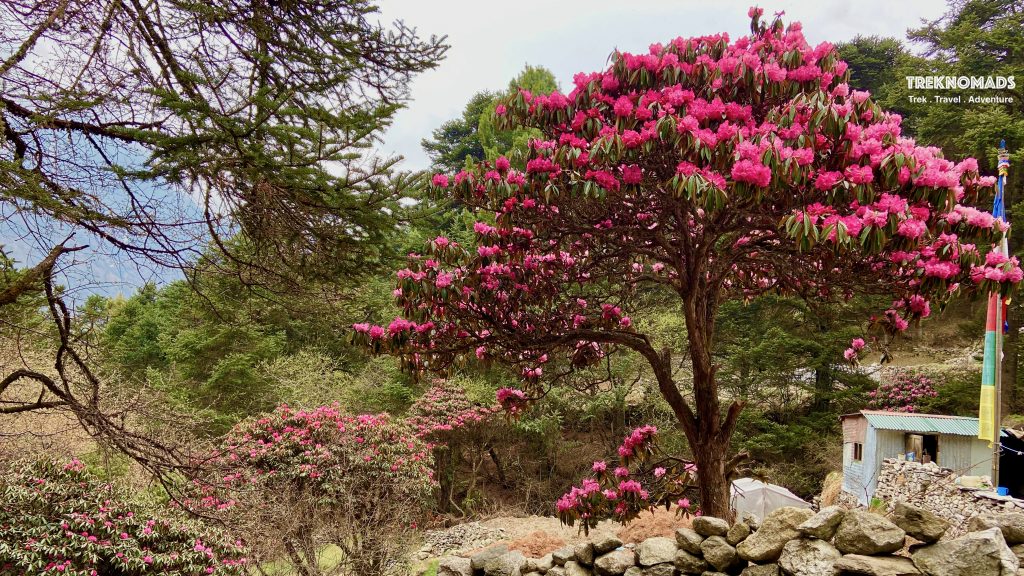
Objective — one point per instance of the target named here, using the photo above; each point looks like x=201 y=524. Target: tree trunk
x=708 y=432
x=712 y=477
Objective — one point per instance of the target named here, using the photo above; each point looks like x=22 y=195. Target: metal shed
x=870 y=436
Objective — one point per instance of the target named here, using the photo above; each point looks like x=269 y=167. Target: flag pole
x=1003 y=171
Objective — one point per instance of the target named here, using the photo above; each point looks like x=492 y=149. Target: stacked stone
x=790 y=541
x=935 y=489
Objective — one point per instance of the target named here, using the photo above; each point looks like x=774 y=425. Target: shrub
x=300 y=482
x=57 y=518
x=903 y=392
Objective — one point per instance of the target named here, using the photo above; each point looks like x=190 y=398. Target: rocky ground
x=536 y=536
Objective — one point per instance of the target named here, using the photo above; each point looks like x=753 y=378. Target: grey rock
x=719 y=553
x=556 y=571
x=585 y=553
x=509 y=564
x=761 y=570
x=919 y=523
x=983 y=553
x=863 y=532
x=454 y=566
x=634 y=571
x=809 y=557
x=657 y=550
x=606 y=544
x=563 y=555
x=877 y=565
x=689 y=540
x=659 y=570
x=737 y=533
x=779 y=527
x=545 y=563
x=689 y=563
x=478 y=560
x=533 y=574
x=714 y=574
x=573 y=568
x=615 y=562
x=823 y=525
x=750 y=520
x=1011 y=524
x=710 y=526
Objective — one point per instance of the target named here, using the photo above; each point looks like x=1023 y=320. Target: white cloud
x=492 y=41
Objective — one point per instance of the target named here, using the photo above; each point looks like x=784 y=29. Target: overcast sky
x=492 y=41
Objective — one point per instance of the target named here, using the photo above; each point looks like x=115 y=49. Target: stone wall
x=790 y=541
x=936 y=489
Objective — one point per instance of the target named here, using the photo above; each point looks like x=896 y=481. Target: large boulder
x=983 y=553
x=779 y=527
x=659 y=570
x=1010 y=523
x=823 y=525
x=615 y=562
x=605 y=544
x=919 y=523
x=809 y=557
x=585 y=553
x=542 y=564
x=508 y=564
x=454 y=566
x=877 y=565
x=761 y=570
x=563 y=555
x=863 y=532
x=689 y=540
x=719 y=553
x=690 y=563
x=574 y=568
x=657 y=550
x=710 y=526
x=478 y=560
x=737 y=533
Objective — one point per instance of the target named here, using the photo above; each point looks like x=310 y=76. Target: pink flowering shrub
x=461 y=434
x=904 y=391
x=444 y=409
x=296 y=481
x=56 y=518
x=642 y=480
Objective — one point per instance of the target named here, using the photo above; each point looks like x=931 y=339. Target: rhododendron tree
x=643 y=479
x=902 y=391
x=710 y=170
x=57 y=518
x=298 y=481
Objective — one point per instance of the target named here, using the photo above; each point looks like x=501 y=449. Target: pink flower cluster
x=638 y=483
x=512 y=400
x=902 y=392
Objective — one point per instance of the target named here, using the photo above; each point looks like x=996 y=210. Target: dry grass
x=831 y=488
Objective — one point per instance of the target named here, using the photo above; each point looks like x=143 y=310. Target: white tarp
x=760 y=498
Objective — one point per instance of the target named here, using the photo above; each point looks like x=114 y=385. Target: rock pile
x=790 y=541
x=936 y=489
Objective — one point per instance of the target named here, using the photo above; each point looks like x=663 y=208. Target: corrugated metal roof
x=923 y=423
